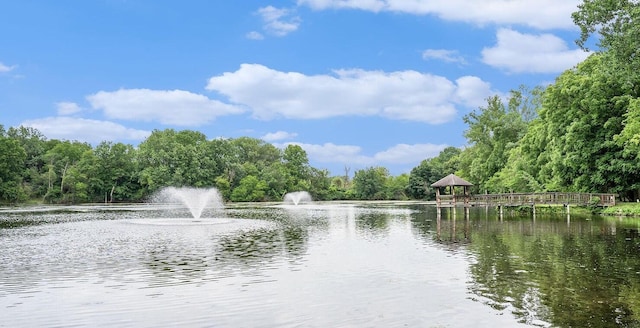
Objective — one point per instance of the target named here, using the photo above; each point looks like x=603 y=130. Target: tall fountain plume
x=194 y=199
x=297 y=197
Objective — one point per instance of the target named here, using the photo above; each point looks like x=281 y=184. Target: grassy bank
x=623 y=209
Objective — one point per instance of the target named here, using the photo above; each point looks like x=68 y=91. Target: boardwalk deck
x=528 y=199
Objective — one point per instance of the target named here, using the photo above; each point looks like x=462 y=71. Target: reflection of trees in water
x=376 y=223
x=172 y=262
x=258 y=246
x=577 y=274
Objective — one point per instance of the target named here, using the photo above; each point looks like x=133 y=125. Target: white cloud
x=402 y=95
x=350 y=155
x=4 y=68
x=279 y=21
x=279 y=135
x=92 y=131
x=67 y=108
x=253 y=35
x=449 y=56
x=175 y=107
x=540 y=14
x=527 y=53
x=472 y=91
x=332 y=153
x=405 y=154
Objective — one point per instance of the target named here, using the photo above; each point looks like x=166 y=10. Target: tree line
x=581 y=133
x=33 y=168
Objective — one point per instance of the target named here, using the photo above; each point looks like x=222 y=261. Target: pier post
x=438 y=221
x=534 y=211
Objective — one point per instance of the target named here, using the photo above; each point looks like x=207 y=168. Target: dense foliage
x=33 y=168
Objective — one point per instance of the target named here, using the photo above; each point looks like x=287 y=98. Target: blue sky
x=356 y=83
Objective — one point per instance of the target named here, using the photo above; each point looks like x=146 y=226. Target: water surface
x=318 y=265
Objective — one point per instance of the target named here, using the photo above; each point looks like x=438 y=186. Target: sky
x=355 y=83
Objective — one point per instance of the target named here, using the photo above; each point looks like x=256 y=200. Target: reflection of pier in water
x=451 y=221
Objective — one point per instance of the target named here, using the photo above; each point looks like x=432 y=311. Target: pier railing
x=521 y=199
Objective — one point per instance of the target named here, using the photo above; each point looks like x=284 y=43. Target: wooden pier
x=528 y=199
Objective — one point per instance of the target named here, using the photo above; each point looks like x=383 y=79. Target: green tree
x=396 y=187
x=34 y=144
x=170 y=158
x=251 y=189
x=254 y=151
x=616 y=22
x=278 y=179
x=431 y=170
x=12 y=158
x=370 y=183
x=61 y=160
x=493 y=131
x=115 y=172
x=583 y=112
x=297 y=164
x=318 y=183
x=629 y=137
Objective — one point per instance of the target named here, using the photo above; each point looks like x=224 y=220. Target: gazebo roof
x=451 y=180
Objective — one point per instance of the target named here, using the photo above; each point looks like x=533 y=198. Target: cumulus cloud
x=279 y=21
x=352 y=155
x=540 y=14
x=527 y=53
x=92 y=131
x=4 y=68
x=332 y=153
x=253 y=35
x=449 y=56
x=279 y=135
x=405 y=154
x=67 y=108
x=402 y=95
x=175 y=107
x=472 y=91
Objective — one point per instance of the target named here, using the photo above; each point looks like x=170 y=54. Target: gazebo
x=452 y=181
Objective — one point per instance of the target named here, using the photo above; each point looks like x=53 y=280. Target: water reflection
x=581 y=273
x=343 y=265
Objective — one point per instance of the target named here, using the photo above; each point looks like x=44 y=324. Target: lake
x=315 y=265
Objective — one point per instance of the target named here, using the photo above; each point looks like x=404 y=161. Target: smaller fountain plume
x=195 y=199
x=297 y=197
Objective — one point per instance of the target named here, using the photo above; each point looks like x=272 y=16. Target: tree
x=12 y=158
x=34 y=144
x=170 y=158
x=318 y=183
x=116 y=172
x=572 y=145
x=619 y=33
x=431 y=170
x=397 y=187
x=493 y=131
x=254 y=151
x=297 y=164
x=629 y=137
x=251 y=189
x=60 y=159
x=370 y=183
x=277 y=178
x=420 y=179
